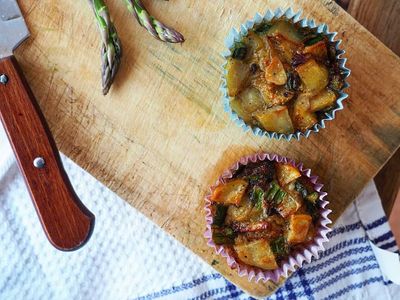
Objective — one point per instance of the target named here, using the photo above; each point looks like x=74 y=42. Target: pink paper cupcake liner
x=296 y=259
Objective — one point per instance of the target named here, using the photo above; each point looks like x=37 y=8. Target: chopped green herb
x=240 y=51
x=259 y=194
x=274 y=188
x=279 y=247
x=312 y=197
x=301 y=189
x=228 y=231
x=224 y=236
x=279 y=196
x=262 y=28
x=275 y=193
x=214 y=262
x=314 y=40
x=220 y=215
x=257 y=197
x=312 y=210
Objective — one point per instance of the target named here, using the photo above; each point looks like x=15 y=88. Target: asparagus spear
x=154 y=27
x=111 y=50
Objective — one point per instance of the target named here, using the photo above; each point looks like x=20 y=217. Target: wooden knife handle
x=67 y=222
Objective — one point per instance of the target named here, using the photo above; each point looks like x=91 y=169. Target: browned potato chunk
x=230 y=193
x=239 y=213
x=287 y=30
x=284 y=47
x=286 y=173
x=275 y=119
x=313 y=75
x=257 y=253
x=272 y=94
x=275 y=72
x=252 y=99
x=323 y=100
x=302 y=115
x=318 y=50
x=298 y=228
x=237 y=76
x=310 y=233
x=289 y=205
x=236 y=105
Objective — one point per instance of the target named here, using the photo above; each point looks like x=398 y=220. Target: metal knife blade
x=13 y=30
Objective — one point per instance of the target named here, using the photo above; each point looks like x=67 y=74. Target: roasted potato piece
x=272 y=94
x=287 y=30
x=310 y=233
x=236 y=105
x=302 y=115
x=314 y=76
x=289 y=205
x=286 y=173
x=251 y=99
x=254 y=41
x=262 y=58
x=257 y=253
x=317 y=50
x=275 y=119
x=230 y=193
x=324 y=99
x=237 y=76
x=239 y=213
x=298 y=228
x=275 y=72
x=284 y=47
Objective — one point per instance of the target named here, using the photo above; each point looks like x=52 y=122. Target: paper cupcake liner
x=296 y=259
x=235 y=36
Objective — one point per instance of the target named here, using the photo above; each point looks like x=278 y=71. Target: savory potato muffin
x=263 y=213
x=282 y=77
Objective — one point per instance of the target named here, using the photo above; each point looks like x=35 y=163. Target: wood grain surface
x=161 y=137
x=67 y=222
x=380 y=17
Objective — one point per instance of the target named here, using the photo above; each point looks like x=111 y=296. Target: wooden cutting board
x=161 y=137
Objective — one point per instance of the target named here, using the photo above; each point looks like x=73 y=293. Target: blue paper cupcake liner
x=236 y=36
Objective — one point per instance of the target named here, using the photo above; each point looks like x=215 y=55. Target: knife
x=67 y=223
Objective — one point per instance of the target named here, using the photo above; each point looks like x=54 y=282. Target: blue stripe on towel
x=344 y=244
x=233 y=291
x=329 y=273
x=336 y=258
x=343 y=275
x=343 y=229
x=341 y=267
x=304 y=282
x=290 y=290
x=376 y=223
x=354 y=286
x=384 y=237
x=278 y=294
x=388 y=245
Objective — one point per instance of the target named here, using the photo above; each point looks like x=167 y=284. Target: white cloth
x=128 y=257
